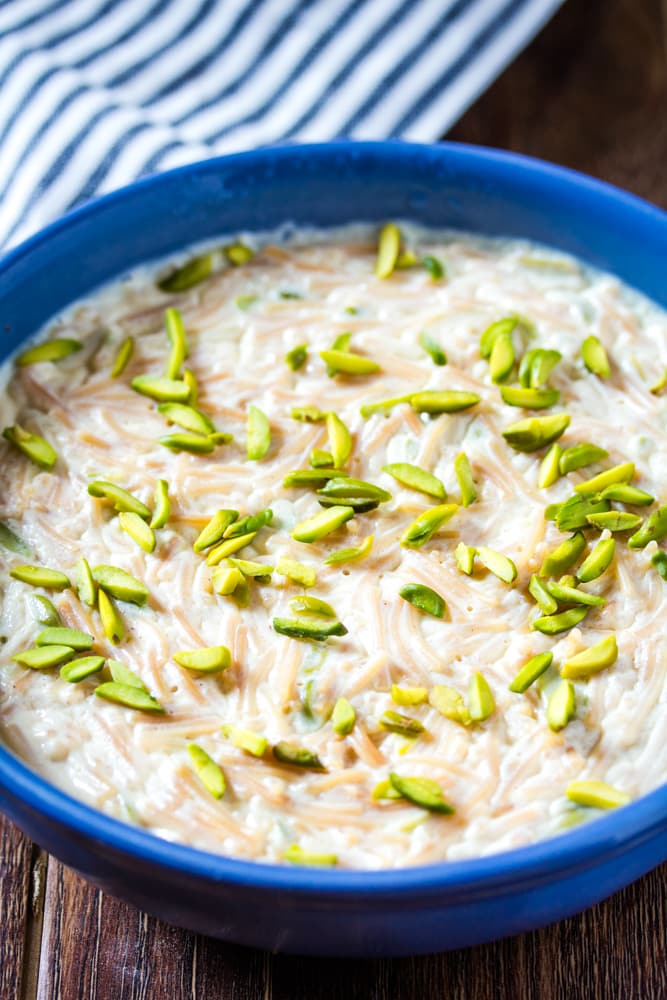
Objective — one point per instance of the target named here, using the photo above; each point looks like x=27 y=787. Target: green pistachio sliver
x=37 y=448
x=121 y=499
x=539 y=367
x=530 y=671
x=416 y=479
x=465 y=557
x=402 y=725
x=658 y=386
x=385 y=790
x=215 y=529
x=580 y=455
x=502 y=327
x=618 y=474
x=561 y=706
x=346 y=363
x=297 y=357
x=162 y=505
x=383 y=405
x=497 y=563
x=297 y=855
x=226 y=580
x=450 y=703
x=464 y=477
x=61 y=636
x=343 y=717
x=536 y=432
x=161 y=388
x=524 y=373
x=659 y=561
x=406 y=259
x=322 y=524
x=564 y=556
x=340 y=441
x=112 y=622
x=138 y=530
x=121 y=585
x=244 y=302
x=594 y=356
x=502 y=357
x=571 y=595
x=408 y=695
x=598 y=560
x=308 y=414
x=624 y=493
x=555 y=624
x=481 y=703
x=251 y=522
x=123 y=675
x=434 y=267
x=592 y=660
x=77 y=670
x=615 y=520
x=129 y=697
x=209 y=773
x=192 y=273
x=423 y=792
x=354 y=489
x=389 y=246
x=425 y=525
x=654 y=529
x=178 y=342
x=353 y=554
x=529 y=399
x=206 y=660
x=227 y=547
x=43 y=657
x=545 y=602
x=190 y=380
x=49 y=350
x=443 y=401
x=47 y=614
x=238 y=254
x=296 y=571
x=13 y=542
x=287 y=753
x=432 y=348
x=304 y=604
x=41 y=576
x=321 y=459
x=250 y=568
x=316 y=629
x=187 y=417
x=197 y=444
x=246 y=740
x=424 y=599
x=573 y=514
x=597 y=794
x=550 y=467
x=311 y=477
x=123 y=357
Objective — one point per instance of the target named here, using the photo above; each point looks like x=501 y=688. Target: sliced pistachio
x=465 y=558
x=346 y=363
x=481 y=703
x=138 y=530
x=502 y=327
x=659 y=561
x=348 y=489
x=434 y=267
x=623 y=493
x=245 y=739
x=77 y=670
x=47 y=614
x=178 y=342
x=308 y=414
x=498 y=564
x=123 y=675
x=287 y=753
x=536 y=432
x=321 y=459
x=209 y=773
x=316 y=629
x=618 y=474
x=658 y=386
x=416 y=479
x=161 y=388
x=536 y=367
x=227 y=547
x=530 y=671
x=297 y=357
x=311 y=477
x=654 y=529
x=340 y=441
x=129 y=697
x=383 y=405
x=121 y=499
x=443 y=401
x=402 y=725
x=592 y=660
x=385 y=790
x=573 y=514
x=49 y=350
x=545 y=602
x=197 y=444
x=322 y=524
x=408 y=695
x=561 y=706
x=424 y=599
x=422 y=792
x=450 y=703
x=312 y=606
x=564 y=556
x=121 y=585
x=296 y=571
x=406 y=259
x=389 y=246
x=580 y=455
x=425 y=525
x=501 y=360
x=432 y=348
x=41 y=576
x=61 y=636
x=550 y=467
x=529 y=399
x=190 y=380
x=162 y=505
x=564 y=620
x=192 y=273
x=112 y=623
x=206 y=660
x=215 y=529
x=35 y=447
x=597 y=794
x=594 y=356
x=244 y=302
x=297 y=855
x=13 y=542
x=353 y=554
x=252 y=569
x=43 y=657
x=238 y=254
x=187 y=417
x=226 y=580
x=615 y=520
x=465 y=480
x=343 y=717
x=597 y=561
x=565 y=594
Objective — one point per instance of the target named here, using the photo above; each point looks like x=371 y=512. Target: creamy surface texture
x=505 y=776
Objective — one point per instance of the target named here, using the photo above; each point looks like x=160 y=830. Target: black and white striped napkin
x=94 y=93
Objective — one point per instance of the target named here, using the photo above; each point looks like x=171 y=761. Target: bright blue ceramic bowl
x=320 y=911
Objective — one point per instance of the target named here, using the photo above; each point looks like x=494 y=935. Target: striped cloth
x=94 y=93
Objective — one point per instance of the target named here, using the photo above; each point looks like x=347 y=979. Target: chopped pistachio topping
x=227 y=580
x=208 y=660
x=536 y=367
x=408 y=695
x=389 y=246
x=402 y=725
x=192 y=273
x=227 y=547
x=112 y=623
x=245 y=739
x=259 y=434
x=308 y=414
x=580 y=455
x=654 y=529
x=383 y=405
x=450 y=703
x=536 y=432
x=215 y=529
x=573 y=514
x=311 y=477
x=287 y=753
x=659 y=561
x=434 y=267
x=465 y=558
x=594 y=356
x=297 y=855
x=416 y=479
x=502 y=357
x=530 y=671
x=187 y=417
x=322 y=524
x=251 y=522
x=425 y=525
x=422 y=792
x=190 y=380
x=345 y=490
x=121 y=585
x=238 y=254
x=41 y=576
x=546 y=603
x=561 y=706
x=297 y=357
x=46 y=612
x=162 y=504
x=209 y=773
x=615 y=520
x=498 y=564
x=316 y=629
x=343 y=717
x=464 y=478
x=197 y=444
x=618 y=474
x=565 y=594
x=424 y=599
x=304 y=603
x=432 y=348
x=138 y=530
x=385 y=790
x=177 y=341
x=13 y=542
x=120 y=498
x=597 y=794
x=502 y=327
x=597 y=561
x=321 y=459
x=251 y=568
x=49 y=350
x=77 y=670
x=550 y=467
x=85 y=583
x=35 y=447
x=61 y=636
x=161 y=388
x=43 y=657
x=564 y=556
x=443 y=401
x=623 y=493
x=353 y=554
x=554 y=624
x=340 y=442
x=481 y=703
x=592 y=660
x=296 y=571
x=349 y=364
x=129 y=697
x=123 y=675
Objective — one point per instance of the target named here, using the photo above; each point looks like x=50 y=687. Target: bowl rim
x=574 y=850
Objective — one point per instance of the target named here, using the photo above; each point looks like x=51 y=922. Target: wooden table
x=590 y=93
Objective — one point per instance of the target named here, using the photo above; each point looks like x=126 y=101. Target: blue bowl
x=327 y=912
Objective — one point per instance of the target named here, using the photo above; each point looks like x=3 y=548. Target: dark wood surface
x=591 y=93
